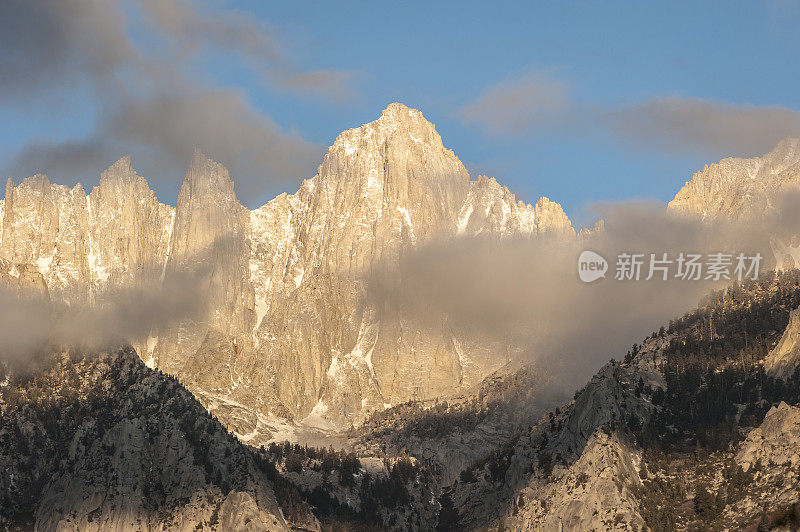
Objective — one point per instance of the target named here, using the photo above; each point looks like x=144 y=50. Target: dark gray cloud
x=47 y=43
x=193 y=29
x=160 y=133
x=150 y=103
x=166 y=128
x=540 y=103
x=67 y=161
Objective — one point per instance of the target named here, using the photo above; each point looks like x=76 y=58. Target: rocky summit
x=737 y=188
x=287 y=330
x=438 y=425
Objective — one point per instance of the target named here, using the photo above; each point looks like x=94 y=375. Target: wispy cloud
x=678 y=124
x=193 y=30
x=539 y=103
x=518 y=104
x=143 y=305
x=331 y=84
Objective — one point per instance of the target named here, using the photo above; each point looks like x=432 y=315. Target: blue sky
x=578 y=101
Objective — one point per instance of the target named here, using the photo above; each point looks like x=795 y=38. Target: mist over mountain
x=280 y=323
x=397 y=307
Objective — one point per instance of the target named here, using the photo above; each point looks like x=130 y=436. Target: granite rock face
x=382 y=188
x=286 y=328
x=775 y=441
x=737 y=188
x=595 y=493
x=83 y=243
x=750 y=190
x=97 y=441
x=784 y=359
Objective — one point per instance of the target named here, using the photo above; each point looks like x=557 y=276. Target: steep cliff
x=286 y=327
x=737 y=188
x=784 y=359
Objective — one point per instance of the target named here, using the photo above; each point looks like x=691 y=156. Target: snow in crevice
x=169 y=244
x=781 y=249
x=464 y=215
x=298 y=277
x=361 y=354
x=316 y=418
x=43 y=264
x=333 y=369
x=463 y=361
x=407 y=221
x=92 y=258
x=152 y=342
x=261 y=306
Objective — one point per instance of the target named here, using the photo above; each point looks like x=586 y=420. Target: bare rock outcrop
x=783 y=360
x=287 y=329
x=776 y=440
x=596 y=493
x=82 y=244
x=737 y=188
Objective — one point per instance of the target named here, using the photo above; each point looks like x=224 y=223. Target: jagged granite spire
x=207 y=209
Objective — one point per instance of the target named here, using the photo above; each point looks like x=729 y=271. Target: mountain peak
x=120 y=172
x=787 y=148
x=399 y=111
x=740 y=188
x=123 y=162
x=206 y=173
x=36 y=182
x=201 y=160
x=399 y=116
x=405 y=128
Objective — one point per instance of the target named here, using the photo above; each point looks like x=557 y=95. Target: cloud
x=161 y=131
x=518 y=104
x=124 y=315
x=539 y=103
x=250 y=144
x=527 y=291
x=679 y=124
x=194 y=30
x=149 y=302
x=63 y=161
x=150 y=102
x=332 y=84
x=230 y=31
x=46 y=44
